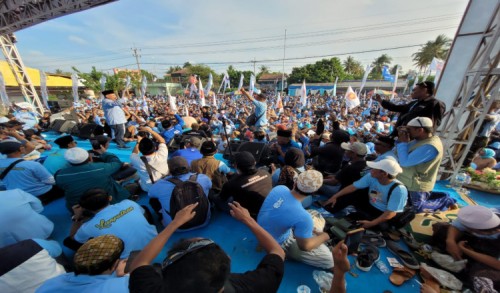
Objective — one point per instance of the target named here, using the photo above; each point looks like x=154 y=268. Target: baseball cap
x=478 y=217
x=245 y=159
x=420 y=122
x=389 y=166
x=358 y=148
x=98 y=254
x=178 y=165
x=195 y=142
x=76 y=155
x=309 y=181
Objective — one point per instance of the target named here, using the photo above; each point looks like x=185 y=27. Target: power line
x=276 y=60
x=398 y=24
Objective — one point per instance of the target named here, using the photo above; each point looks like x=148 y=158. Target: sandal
x=429 y=279
x=407 y=258
x=400 y=275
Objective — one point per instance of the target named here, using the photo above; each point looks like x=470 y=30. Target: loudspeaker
x=260 y=151
x=234 y=146
x=67 y=126
x=87 y=131
x=56 y=124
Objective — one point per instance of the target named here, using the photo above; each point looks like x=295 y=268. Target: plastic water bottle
x=460 y=179
x=382 y=267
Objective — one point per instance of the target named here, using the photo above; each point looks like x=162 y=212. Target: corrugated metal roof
x=34 y=74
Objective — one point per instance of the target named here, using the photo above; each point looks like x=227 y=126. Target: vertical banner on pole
x=103 y=84
x=334 y=93
x=43 y=89
x=395 y=83
x=74 y=87
x=3 y=92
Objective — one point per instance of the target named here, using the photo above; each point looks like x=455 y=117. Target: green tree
x=353 y=68
x=173 y=69
x=378 y=64
x=203 y=71
x=438 y=48
x=186 y=64
x=324 y=70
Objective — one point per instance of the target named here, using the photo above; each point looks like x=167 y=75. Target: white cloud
x=77 y=40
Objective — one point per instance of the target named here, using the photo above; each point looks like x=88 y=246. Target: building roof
x=53 y=80
x=183 y=71
x=271 y=76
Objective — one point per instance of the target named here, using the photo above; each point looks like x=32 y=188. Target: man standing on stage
x=115 y=116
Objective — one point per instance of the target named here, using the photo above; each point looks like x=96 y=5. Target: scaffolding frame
x=471 y=95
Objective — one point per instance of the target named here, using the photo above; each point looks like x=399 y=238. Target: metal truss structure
x=469 y=83
x=19 y=14
x=7 y=43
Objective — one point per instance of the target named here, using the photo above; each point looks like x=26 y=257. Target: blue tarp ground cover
x=240 y=244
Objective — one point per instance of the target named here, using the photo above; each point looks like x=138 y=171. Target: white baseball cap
x=76 y=155
x=389 y=166
x=420 y=122
x=478 y=217
x=358 y=148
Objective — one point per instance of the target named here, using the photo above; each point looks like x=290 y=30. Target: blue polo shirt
x=125 y=220
x=189 y=154
x=281 y=213
x=378 y=194
x=113 y=112
x=69 y=283
x=56 y=161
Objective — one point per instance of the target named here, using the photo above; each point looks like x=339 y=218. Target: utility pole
x=137 y=56
x=283 y=74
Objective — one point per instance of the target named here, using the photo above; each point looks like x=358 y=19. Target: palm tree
x=438 y=48
x=379 y=63
x=352 y=67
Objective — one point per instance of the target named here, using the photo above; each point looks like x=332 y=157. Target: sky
x=220 y=33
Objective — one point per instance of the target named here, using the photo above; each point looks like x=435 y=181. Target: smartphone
x=353 y=239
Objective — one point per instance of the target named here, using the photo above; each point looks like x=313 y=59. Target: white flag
x=351 y=99
x=279 y=103
x=201 y=93
x=209 y=83
x=74 y=83
x=334 y=93
x=173 y=103
x=303 y=94
x=103 y=84
x=395 y=82
x=240 y=85
x=365 y=76
x=43 y=89
x=3 y=92
x=437 y=65
x=214 y=101
x=144 y=85
x=252 y=84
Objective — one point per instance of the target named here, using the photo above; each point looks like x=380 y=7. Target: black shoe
x=367 y=257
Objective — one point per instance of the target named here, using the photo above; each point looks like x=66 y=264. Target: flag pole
x=283 y=73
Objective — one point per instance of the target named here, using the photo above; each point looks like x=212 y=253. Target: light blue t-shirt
x=56 y=161
x=260 y=110
x=378 y=194
x=28 y=118
x=69 y=283
x=20 y=218
x=162 y=190
x=113 y=112
x=29 y=176
x=125 y=220
x=282 y=214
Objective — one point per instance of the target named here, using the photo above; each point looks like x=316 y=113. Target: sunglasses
x=193 y=246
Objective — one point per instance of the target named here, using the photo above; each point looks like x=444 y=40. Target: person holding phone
x=382 y=203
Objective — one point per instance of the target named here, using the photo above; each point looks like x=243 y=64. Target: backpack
x=252 y=119
x=406 y=216
x=186 y=193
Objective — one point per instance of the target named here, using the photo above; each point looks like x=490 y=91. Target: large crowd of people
x=262 y=158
